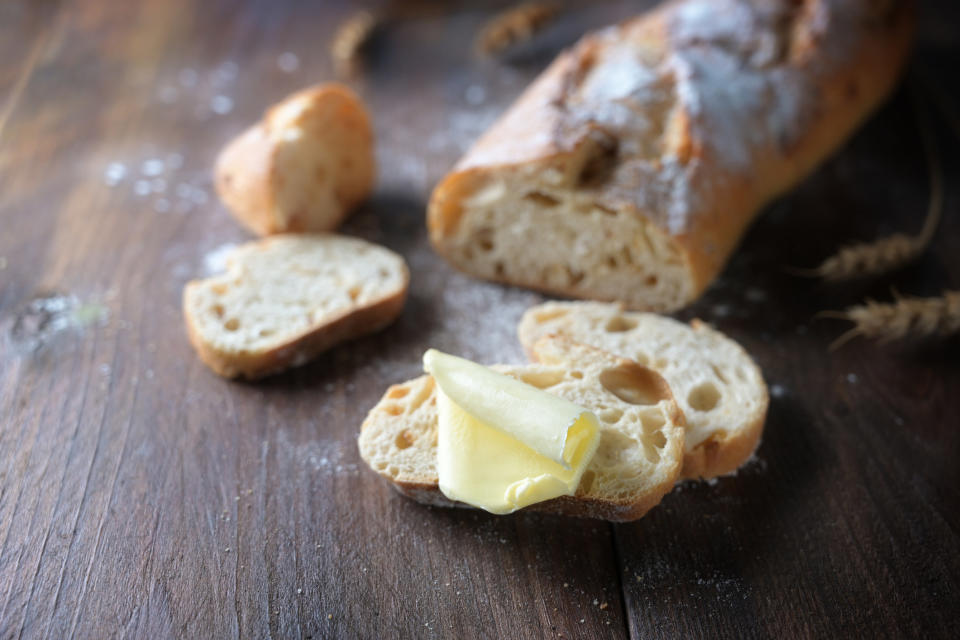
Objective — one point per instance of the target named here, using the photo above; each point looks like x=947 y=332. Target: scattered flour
x=288 y=62
x=215 y=261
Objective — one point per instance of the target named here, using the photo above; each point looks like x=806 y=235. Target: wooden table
x=142 y=496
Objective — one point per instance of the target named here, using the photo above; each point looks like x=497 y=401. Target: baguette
x=304 y=167
x=641 y=442
x=717 y=385
x=629 y=170
x=286 y=298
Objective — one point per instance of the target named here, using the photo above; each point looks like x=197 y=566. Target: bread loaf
x=286 y=298
x=641 y=441
x=632 y=166
x=717 y=385
x=304 y=167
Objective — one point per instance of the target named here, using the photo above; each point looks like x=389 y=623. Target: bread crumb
x=329 y=616
x=221 y=104
x=603 y=607
x=853 y=378
x=288 y=62
x=778 y=390
x=299 y=591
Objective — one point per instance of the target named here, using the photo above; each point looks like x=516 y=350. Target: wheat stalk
x=904 y=317
x=889 y=253
x=513 y=26
x=349 y=39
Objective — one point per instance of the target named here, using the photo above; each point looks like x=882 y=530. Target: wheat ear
x=904 y=317
x=349 y=40
x=514 y=25
x=889 y=253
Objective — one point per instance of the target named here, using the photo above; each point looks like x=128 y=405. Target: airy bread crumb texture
x=639 y=455
x=717 y=385
x=278 y=293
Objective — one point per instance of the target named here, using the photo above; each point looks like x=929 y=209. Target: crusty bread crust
x=299 y=349
x=328 y=131
x=809 y=76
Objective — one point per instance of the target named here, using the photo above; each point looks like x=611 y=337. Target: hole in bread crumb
x=641 y=358
x=541 y=379
x=577 y=374
x=717 y=372
x=612 y=262
x=652 y=281
x=617 y=324
x=586 y=481
x=552 y=314
x=217 y=310
x=232 y=324
x=393 y=409
x=634 y=384
x=658 y=440
x=354 y=292
x=485 y=240
x=265 y=333
x=498 y=269
x=651 y=452
x=380 y=466
x=404 y=439
x=574 y=277
x=541 y=199
x=219 y=289
x=611 y=416
x=397 y=392
x=704 y=397
x=652 y=423
x=393 y=472
x=383 y=273
x=604 y=209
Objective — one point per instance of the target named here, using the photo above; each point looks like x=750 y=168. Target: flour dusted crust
x=304 y=167
x=632 y=166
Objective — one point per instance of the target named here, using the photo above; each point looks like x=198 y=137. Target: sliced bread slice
x=286 y=298
x=717 y=385
x=641 y=442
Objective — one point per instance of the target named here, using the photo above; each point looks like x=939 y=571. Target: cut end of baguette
x=284 y=299
x=717 y=385
x=636 y=464
x=528 y=226
x=304 y=167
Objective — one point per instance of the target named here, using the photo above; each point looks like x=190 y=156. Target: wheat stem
x=894 y=251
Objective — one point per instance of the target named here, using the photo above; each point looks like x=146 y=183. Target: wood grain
x=141 y=496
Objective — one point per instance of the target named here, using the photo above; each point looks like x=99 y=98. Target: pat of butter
x=503 y=444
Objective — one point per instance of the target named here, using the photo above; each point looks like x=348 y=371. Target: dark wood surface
x=141 y=496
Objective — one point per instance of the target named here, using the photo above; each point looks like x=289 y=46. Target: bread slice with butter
x=717 y=385
x=636 y=463
x=286 y=298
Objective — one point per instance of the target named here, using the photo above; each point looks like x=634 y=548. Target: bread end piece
x=285 y=299
x=306 y=165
